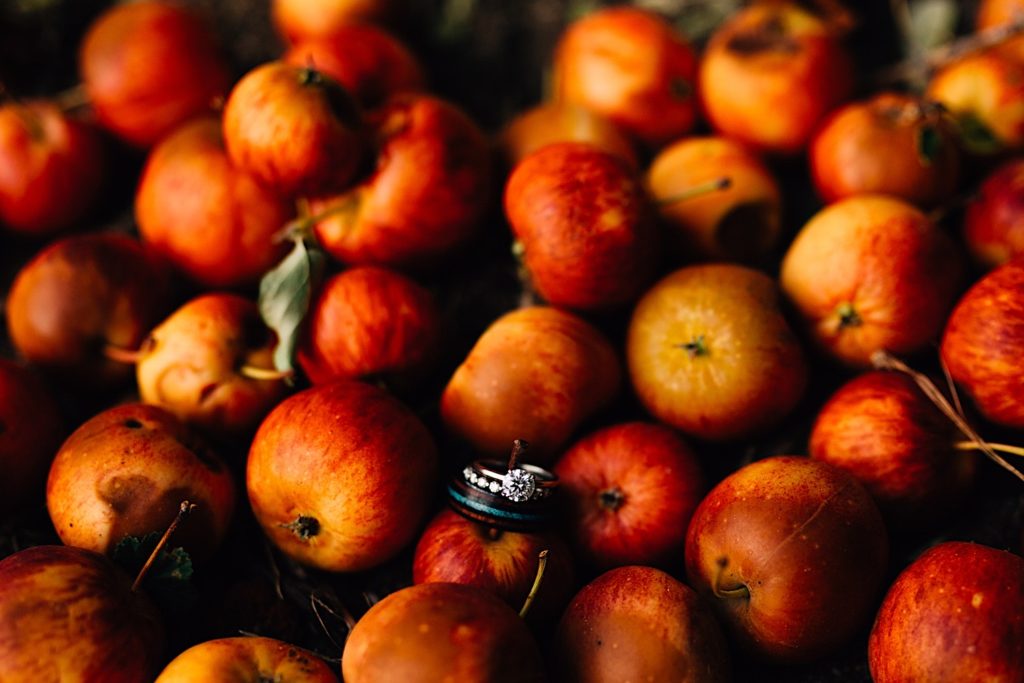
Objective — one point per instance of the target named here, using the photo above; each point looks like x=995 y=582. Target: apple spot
x=746 y=231
x=304 y=526
x=731 y=592
x=132 y=423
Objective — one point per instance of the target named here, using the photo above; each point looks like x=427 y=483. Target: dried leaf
x=285 y=294
x=168 y=581
x=932 y=23
x=698 y=20
x=976 y=135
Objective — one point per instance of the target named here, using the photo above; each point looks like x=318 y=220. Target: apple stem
x=542 y=563
x=519 y=447
x=302 y=226
x=1000 y=447
x=493 y=533
x=184 y=510
x=700 y=190
x=883 y=360
x=308 y=75
x=612 y=499
x=304 y=527
x=120 y=354
x=696 y=347
x=266 y=374
x=73 y=98
x=716 y=583
x=848 y=316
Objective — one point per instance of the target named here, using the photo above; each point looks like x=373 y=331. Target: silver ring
x=519 y=484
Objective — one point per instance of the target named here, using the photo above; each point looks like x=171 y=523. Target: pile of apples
x=274 y=358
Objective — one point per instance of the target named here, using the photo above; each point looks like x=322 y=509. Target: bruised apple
x=553 y=122
x=250 y=659
x=994 y=222
x=710 y=353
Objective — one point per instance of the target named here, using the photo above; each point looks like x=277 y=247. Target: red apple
x=51 y=168
x=984 y=341
x=211 y=364
x=212 y=220
x=68 y=614
x=535 y=374
x=429 y=188
x=792 y=552
x=994 y=222
x=552 y=122
x=893 y=144
x=126 y=471
x=374 y=464
x=710 y=353
x=871 y=272
x=246 y=660
x=581 y=218
x=368 y=322
x=149 y=66
x=883 y=430
x=294 y=129
x=438 y=632
x=454 y=549
x=955 y=614
x=770 y=74
x=640 y=624
x=630 y=490
x=300 y=20
x=631 y=66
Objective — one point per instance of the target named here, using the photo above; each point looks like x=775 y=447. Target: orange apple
x=1001 y=13
x=871 y=272
x=770 y=74
x=994 y=222
x=299 y=20
x=246 y=660
x=710 y=353
x=552 y=122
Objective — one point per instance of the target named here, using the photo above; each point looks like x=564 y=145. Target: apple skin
x=367 y=61
x=581 y=217
x=81 y=293
x=126 y=471
x=640 y=624
x=632 y=67
x=68 y=614
x=454 y=549
x=993 y=13
x=792 y=552
x=348 y=437
x=51 y=168
x=428 y=191
x=149 y=66
x=210 y=219
x=535 y=374
x=553 y=122
x=739 y=223
x=295 y=129
x=881 y=429
x=874 y=147
x=710 y=353
x=994 y=221
x=370 y=322
x=441 y=631
x=300 y=20
x=773 y=57
x=244 y=660
x=31 y=429
x=955 y=614
x=871 y=272
x=190 y=365
x=629 y=492
x=983 y=343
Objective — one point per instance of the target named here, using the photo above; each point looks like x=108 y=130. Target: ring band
x=519 y=484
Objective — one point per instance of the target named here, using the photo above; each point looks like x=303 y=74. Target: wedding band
x=513 y=496
x=520 y=484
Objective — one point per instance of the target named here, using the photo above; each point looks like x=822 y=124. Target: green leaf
x=976 y=135
x=168 y=581
x=932 y=23
x=285 y=294
x=929 y=144
x=698 y=20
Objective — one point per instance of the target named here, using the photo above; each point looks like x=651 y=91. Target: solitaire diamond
x=518 y=485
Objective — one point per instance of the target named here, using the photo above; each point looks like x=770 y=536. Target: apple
x=367 y=61
x=210 y=219
x=640 y=624
x=629 y=491
x=437 y=632
x=454 y=549
x=427 y=193
x=955 y=614
x=996 y=14
x=792 y=553
x=883 y=430
x=370 y=322
x=82 y=296
x=294 y=129
x=245 y=660
x=581 y=218
x=51 y=168
x=984 y=340
x=68 y=614
x=31 y=428
x=994 y=221
x=300 y=20
x=894 y=144
x=739 y=222
x=871 y=272
x=770 y=74
x=149 y=66
x=211 y=364
x=374 y=464
x=535 y=374
x=710 y=353
x=125 y=472
x=552 y=122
